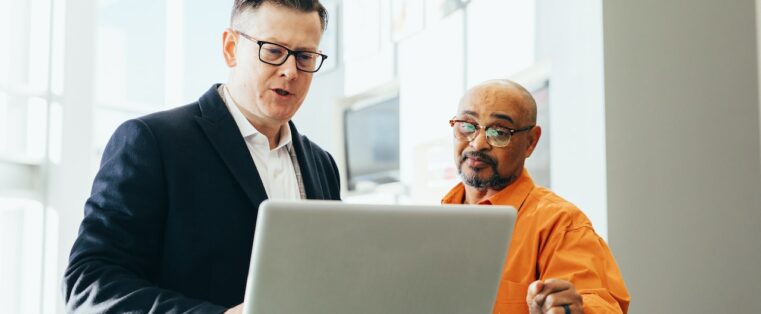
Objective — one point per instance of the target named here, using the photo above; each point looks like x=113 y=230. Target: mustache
x=479 y=155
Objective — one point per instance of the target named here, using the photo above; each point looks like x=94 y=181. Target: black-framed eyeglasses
x=496 y=136
x=274 y=54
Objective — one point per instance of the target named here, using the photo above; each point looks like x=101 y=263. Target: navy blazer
x=169 y=225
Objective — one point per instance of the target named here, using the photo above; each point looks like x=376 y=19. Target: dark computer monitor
x=371 y=136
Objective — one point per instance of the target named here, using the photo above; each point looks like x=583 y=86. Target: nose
x=288 y=69
x=480 y=142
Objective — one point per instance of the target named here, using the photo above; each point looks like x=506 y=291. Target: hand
x=235 y=310
x=550 y=295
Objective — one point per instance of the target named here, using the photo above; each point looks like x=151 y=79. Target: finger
x=574 y=308
x=559 y=299
x=557 y=284
x=556 y=310
x=534 y=288
x=552 y=286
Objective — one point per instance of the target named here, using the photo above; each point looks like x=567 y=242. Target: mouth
x=477 y=161
x=282 y=92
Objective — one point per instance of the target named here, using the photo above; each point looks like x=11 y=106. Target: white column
x=71 y=179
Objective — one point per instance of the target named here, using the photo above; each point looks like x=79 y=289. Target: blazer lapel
x=312 y=186
x=224 y=135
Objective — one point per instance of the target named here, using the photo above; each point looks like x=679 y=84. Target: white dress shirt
x=274 y=165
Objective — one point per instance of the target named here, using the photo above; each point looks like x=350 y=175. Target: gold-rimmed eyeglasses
x=496 y=136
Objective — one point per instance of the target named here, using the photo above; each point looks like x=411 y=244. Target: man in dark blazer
x=169 y=225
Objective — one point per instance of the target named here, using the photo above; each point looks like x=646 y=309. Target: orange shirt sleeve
x=577 y=254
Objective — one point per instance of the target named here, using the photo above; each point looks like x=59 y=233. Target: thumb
x=533 y=289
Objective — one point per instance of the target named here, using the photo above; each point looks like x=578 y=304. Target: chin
x=481 y=172
x=473 y=174
x=280 y=112
x=279 y=117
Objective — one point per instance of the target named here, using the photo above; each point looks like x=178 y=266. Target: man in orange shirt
x=556 y=263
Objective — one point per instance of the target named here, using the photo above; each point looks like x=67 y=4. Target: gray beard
x=494 y=182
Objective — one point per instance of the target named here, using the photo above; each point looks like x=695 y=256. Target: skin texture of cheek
x=509 y=167
x=250 y=96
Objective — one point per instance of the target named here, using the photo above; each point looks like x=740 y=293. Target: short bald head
x=506 y=105
x=502 y=95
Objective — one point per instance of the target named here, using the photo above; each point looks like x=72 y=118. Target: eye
x=497 y=132
x=273 y=51
x=306 y=57
x=466 y=127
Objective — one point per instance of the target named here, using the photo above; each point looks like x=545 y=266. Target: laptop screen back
x=333 y=257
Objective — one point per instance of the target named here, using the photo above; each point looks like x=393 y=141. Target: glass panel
x=15 y=126
x=130 y=54
x=36 y=124
x=21 y=238
x=30 y=257
x=14 y=61
x=4 y=129
x=59 y=32
x=5 y=41
x=39 y=45
x=56 y=133
x=51 y=292
x=22 y=127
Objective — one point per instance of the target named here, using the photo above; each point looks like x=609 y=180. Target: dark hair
x=302 y=5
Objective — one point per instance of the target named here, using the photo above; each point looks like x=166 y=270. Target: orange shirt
x=552 y=239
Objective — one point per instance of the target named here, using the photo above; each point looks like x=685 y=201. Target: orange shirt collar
x=512 y=195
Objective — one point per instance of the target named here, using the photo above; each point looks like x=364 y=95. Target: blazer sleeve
x=116 y=257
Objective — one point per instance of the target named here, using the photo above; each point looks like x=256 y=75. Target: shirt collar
x=246 y=128
x=512 y=195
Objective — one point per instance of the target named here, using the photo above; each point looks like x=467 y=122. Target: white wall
x=570 y=37
x=319 y=117
x=430 y=86
x=684 y=173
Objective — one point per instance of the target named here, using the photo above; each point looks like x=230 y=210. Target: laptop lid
x=339 y=258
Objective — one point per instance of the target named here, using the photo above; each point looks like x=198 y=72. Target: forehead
x=290 y=27
x=489 y=103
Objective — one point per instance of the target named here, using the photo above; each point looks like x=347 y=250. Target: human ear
x=533 y=137
x=229 y=45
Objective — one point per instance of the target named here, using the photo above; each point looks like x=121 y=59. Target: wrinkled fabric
x=552 y=238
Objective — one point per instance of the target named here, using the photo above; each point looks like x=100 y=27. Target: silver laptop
x=339 y=258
